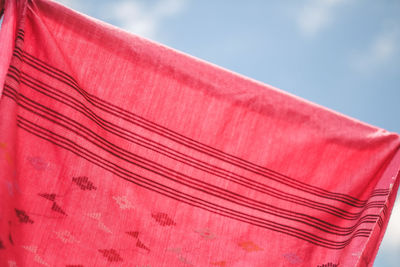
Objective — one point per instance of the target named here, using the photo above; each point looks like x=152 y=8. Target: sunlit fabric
x=118 y=151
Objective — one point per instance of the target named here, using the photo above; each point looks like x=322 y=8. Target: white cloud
x=380 y=51
x=75 y=4
x=132 y=16
x=316 y=15
x=141 y=19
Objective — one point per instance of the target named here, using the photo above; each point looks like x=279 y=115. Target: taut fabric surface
x=118 y=151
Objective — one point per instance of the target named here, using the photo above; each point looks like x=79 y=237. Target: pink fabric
x=118 y=151
x=7 y=37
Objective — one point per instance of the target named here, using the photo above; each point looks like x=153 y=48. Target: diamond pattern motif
x=84 y=183
x=22 y=216
x=163 y=219
x=111 y=255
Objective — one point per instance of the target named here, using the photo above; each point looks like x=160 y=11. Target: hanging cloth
x=119 y=151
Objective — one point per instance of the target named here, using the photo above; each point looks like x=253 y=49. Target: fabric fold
x=7 y=36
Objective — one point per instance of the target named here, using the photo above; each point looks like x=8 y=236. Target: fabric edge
x=7 y=36
x=392 y=177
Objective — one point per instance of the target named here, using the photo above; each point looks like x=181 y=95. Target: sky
x=342 y=54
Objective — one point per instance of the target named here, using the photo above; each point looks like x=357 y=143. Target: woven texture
x=118 y=151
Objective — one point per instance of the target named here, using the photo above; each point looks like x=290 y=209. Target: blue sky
x=342 y=54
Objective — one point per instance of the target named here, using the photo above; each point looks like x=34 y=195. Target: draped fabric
x=119 y=151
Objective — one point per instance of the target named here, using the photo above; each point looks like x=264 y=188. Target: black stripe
x=269 y=209
x=9 y=94
x=63 y=77
x=360 y=232
x=367 y=206
x=180 y=196
x=370 y=205
x=19 y=37
x=312 y=204
x=350 y=203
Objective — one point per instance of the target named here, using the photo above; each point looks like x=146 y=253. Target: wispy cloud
x=75 y=4
x=315 y=15
x=142 y=19
x=67 y=2
x=380 y=51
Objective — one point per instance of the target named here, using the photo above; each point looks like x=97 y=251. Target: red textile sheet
x=118 y=151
